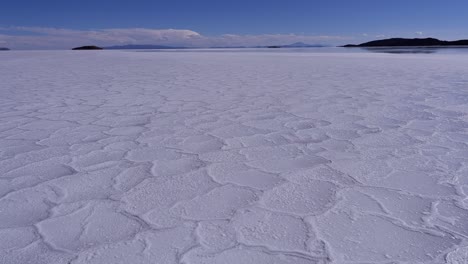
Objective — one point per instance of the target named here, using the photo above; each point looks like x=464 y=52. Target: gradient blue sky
x=331 y=21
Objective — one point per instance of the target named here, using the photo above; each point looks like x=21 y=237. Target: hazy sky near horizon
x=61 y=24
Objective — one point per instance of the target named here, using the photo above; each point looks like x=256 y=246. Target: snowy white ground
x=233 y=158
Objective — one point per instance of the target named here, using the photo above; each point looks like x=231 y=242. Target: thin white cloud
x=48 y=38
x=419 y=33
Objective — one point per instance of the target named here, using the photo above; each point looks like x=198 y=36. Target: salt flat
x=230 y=157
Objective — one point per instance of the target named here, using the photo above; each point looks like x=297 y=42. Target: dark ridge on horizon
x=88 y=48
x=4 y=49
x=406 y=42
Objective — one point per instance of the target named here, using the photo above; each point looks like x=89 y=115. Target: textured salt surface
x=201 y=158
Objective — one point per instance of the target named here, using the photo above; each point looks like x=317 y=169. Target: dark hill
x=403 y=42
x=88 y=48
x=4 y=49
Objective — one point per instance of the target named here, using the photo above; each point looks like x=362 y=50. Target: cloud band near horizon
x=59 y=38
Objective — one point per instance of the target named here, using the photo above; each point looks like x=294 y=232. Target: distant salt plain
x=233 y=157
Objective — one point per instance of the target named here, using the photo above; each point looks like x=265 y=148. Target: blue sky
x=57 y=24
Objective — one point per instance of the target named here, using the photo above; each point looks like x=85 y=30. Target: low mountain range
x=405 y=42
x=4 y=49
x=294 y=45
x=303 y=45
x=150 y=46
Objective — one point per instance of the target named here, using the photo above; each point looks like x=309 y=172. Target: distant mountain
x=4 y=49
x=302 y=45
x=294 y=45
x=150 y=46
x=123 y=47
x=88 y=48
x=404 y=42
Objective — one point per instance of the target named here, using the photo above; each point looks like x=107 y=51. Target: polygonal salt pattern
x=233 y=157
